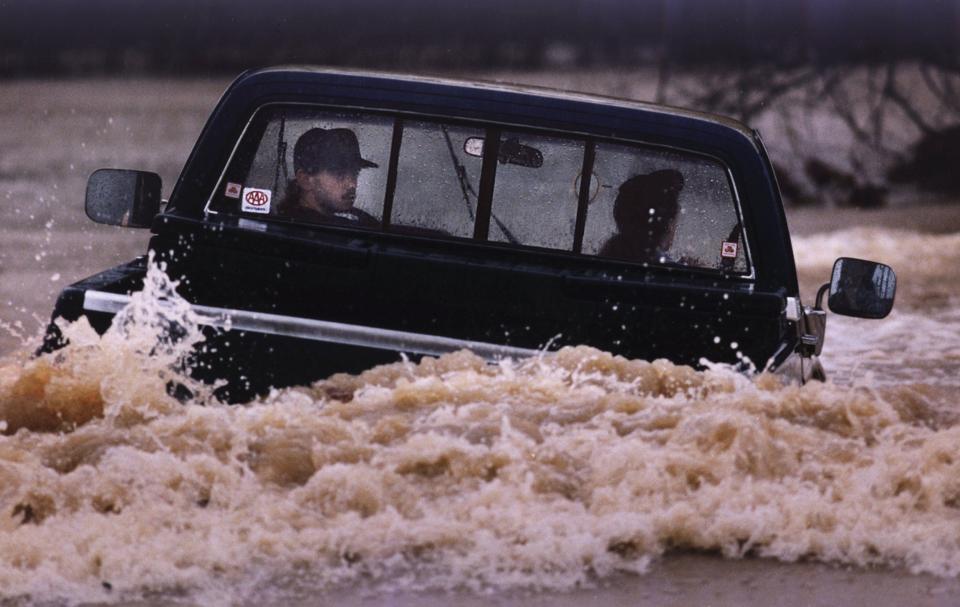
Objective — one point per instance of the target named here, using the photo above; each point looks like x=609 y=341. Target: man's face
x=332 y=191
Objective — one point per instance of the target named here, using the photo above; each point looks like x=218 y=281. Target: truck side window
x=309 y=166
x=662 y=207
x=437 y=181
x=534 y=195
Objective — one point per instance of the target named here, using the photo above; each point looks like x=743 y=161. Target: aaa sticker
x=255 y=200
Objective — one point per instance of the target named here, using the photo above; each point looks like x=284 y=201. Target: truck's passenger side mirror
x=862 y=288
x=121 y=197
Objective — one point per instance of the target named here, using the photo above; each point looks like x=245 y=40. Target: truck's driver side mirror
x=122 y=197
x=861 y=288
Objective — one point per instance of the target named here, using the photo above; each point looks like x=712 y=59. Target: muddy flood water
x=578 y=478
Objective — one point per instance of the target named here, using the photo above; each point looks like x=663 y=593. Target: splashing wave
x=451 y=473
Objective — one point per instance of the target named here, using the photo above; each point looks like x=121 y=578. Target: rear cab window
x=454 y=180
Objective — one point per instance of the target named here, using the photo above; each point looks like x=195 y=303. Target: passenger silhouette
x=646 y=211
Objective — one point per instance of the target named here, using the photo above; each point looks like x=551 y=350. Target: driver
x=326 y=165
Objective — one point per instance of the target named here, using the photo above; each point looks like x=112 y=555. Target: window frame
x=485 y=190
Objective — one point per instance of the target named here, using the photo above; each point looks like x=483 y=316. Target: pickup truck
x=330 y=221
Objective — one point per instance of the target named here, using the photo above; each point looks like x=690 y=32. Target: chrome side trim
x=321 y=330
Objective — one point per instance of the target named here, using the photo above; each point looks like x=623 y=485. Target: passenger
x=326 y=164
x=646 y=212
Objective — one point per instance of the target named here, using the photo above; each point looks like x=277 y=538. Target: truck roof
x=285 y=72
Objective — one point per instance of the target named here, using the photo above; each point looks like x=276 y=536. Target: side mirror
x=121 y=197
x=861 y=288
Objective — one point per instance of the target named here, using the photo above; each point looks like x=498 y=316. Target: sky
x=198 y=35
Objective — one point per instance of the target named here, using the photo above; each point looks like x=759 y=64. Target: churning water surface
x=549 y=473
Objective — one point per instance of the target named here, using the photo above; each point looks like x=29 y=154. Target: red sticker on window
x=232 y=190
x=728 y=249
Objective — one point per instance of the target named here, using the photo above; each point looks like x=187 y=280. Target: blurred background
x=857 y=97
x=858 y=101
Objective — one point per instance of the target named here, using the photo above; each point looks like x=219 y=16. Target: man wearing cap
x=326 y=164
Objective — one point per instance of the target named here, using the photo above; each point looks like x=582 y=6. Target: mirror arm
x=820 y=293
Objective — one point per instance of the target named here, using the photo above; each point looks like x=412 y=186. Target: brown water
x=606 y=479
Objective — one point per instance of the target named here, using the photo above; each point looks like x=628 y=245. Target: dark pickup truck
x=329 y=221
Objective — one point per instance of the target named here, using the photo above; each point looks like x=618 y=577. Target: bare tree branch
x=893 y=94
x=940 y=82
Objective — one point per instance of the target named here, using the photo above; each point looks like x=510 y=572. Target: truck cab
x=329 y=221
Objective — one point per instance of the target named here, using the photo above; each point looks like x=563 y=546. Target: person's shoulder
x=299 y=212
x=352 y=217
x=618 y=246
x=359 y=217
